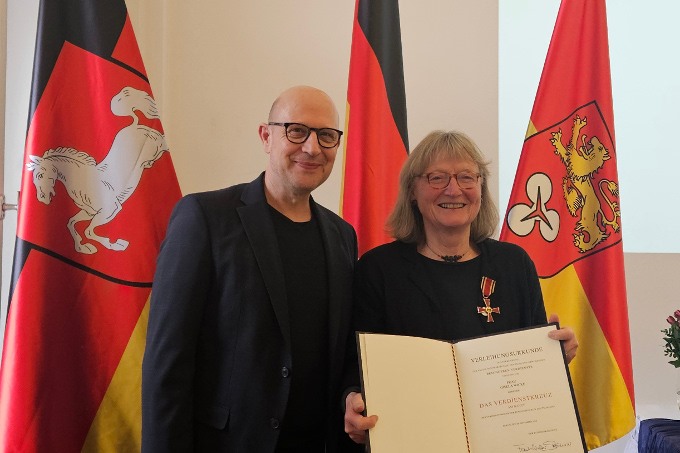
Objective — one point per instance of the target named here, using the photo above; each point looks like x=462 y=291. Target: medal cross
x=487 y=310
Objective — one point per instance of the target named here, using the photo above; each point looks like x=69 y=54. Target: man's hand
x=564 y=334
x=355 y=423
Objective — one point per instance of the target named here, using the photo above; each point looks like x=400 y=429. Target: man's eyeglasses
x=441 y=180
x=299 y=133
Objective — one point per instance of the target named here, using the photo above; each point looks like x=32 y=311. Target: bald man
x=250 y=308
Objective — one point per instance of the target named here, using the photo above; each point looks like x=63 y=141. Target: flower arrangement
x=672 y=339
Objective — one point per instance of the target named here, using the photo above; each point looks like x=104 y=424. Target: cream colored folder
x=508 y=392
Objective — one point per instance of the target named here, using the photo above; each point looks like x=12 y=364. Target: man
x=251 y=303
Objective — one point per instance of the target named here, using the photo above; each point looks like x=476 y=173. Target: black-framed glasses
x=441 y=180
x=299 y=133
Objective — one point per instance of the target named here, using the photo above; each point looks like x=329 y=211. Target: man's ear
x=265 y=135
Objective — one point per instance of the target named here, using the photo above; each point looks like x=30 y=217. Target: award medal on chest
x=488 y=286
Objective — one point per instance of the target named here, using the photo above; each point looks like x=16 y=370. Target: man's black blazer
x=217 y=366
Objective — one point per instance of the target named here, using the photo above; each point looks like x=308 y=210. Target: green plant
x=672 y=339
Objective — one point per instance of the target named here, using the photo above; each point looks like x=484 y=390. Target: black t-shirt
x=458 y=289
x=306 y=277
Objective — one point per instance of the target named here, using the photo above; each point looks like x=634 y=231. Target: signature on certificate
x=545 y=446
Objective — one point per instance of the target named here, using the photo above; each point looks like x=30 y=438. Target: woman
x=430 y=281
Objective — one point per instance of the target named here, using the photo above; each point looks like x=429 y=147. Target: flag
x=97 y=190
x=564 y=211
x=376 y=143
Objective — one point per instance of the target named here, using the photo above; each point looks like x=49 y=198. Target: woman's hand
x=564 y=334
x=355 y=423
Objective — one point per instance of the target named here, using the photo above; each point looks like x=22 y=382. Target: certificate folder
x=508 y=392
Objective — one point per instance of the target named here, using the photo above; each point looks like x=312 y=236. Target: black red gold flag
x=376 y=143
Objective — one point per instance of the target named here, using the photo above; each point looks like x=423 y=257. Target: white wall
x=215 y=69
x=3 y=66
x=20 y=25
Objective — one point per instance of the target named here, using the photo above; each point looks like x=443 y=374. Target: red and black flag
x=376 y=143
x=97 y=190
x=564 y=210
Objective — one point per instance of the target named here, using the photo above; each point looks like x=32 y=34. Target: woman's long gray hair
x=405 y=223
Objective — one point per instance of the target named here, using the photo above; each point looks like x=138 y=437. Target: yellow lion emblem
x=582 y=162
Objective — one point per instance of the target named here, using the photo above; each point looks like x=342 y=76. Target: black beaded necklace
x=447 y=258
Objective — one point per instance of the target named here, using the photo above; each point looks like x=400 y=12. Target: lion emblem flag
x=97 y=191
x=564 y=211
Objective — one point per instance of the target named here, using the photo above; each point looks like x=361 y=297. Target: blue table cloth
x=659 y=435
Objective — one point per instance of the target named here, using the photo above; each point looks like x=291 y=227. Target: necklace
x=447 y=258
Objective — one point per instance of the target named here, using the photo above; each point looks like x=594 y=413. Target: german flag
x=564 y=210
x=376 y=143
x=97 y=190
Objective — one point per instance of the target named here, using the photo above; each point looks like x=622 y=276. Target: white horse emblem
x=100 y=190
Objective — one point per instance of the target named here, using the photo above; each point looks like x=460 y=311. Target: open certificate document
x=509 y=392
